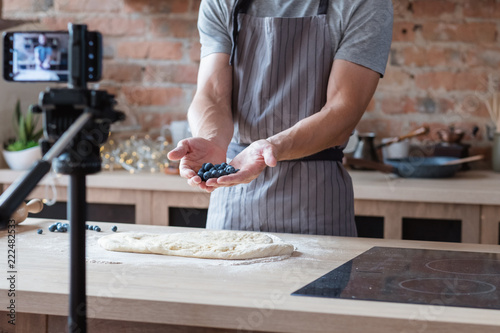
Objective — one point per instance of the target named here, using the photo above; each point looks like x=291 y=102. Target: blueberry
x=91 y=227
x=52 y=227
x=206 y=176
x=62 y=228
x=217 y=166
x=39 y=231
x=114 y=228
x=87 y=227
x=97 y=229
x=230 y=169
x=203 y=166
x=224 y=165
x=208 y=166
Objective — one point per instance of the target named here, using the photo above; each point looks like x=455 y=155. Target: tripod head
x=61 y=108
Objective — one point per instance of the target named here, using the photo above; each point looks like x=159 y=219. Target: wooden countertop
x=216 y=293
x=470 y=187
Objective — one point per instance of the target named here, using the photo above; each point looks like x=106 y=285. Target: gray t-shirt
x=361 y=30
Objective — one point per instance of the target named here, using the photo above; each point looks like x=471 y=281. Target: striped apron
x=281 y=68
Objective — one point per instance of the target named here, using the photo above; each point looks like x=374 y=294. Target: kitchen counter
x=472 y=197
x=146 y=292
x=470 y=187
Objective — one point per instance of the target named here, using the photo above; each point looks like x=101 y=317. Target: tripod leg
x=77 y=213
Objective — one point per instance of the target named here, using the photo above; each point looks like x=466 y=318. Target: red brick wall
x=445 y=58
x=444 y=62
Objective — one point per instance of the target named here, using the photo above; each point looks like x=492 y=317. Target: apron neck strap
x=241 y=7
x=323 y=7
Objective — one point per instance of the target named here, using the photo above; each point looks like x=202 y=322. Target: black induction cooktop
x=419 y=276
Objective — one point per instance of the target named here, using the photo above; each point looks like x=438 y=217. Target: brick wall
x=444 y=62
x=445 y=59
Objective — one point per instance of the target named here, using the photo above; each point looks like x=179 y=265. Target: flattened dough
x=212 y=244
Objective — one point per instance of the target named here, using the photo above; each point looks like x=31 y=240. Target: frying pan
x=417 y=167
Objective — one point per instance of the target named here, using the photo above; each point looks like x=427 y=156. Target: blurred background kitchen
x=443 y=72
x=444 y=64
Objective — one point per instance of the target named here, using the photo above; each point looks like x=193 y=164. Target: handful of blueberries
x=208 y=170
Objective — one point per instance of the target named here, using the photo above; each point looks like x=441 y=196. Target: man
x=43 y=53
x=281 y=86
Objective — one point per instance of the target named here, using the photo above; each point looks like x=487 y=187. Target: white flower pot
x=23 y=159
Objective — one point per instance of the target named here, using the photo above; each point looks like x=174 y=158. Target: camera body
x=43 y=56
x=75 y=57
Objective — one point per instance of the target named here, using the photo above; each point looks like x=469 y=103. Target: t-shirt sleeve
x=213 y=27
x=366 y=40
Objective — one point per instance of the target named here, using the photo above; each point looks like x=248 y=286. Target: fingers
x=231 y=180
x=194 y=181
x=179 y=152
x=187 y=172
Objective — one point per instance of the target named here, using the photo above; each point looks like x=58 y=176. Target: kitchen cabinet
x=472 y=198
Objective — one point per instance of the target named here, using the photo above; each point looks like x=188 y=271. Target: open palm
x=192 y=153
x=251 y=162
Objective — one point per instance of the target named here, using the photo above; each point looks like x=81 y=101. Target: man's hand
x=192 y=153
x=251 y=162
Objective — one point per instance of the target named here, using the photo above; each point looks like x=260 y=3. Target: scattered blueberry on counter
x=96 y=228
x=40 y=231
x=208 y=170
x=114 y=228
x=59 y=227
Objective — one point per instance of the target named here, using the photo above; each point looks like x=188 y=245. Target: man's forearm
x=211 y=121
x=209 y=114
x=350 y=89
x=320 y=131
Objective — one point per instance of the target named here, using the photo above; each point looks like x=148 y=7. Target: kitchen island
x=152 y=293
x=472 y=198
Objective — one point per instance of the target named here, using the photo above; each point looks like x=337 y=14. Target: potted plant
x=21 y=152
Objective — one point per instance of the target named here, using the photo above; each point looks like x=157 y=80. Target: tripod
x=76 y=122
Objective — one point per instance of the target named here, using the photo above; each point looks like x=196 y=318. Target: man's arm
x=350 y=89
x=210 y=115
x=210 y=119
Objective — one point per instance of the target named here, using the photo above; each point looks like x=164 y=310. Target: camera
x=76 y=121
x=43 y=56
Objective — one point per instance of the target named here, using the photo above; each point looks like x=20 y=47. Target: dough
x=216 y=244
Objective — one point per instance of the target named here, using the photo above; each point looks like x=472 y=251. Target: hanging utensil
x=419 y=131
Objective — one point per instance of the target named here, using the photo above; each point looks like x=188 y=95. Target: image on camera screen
x=40 y=56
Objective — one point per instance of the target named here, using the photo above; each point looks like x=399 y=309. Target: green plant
x=25 y=128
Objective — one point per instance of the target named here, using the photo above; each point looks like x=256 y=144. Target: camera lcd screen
x=37 y=56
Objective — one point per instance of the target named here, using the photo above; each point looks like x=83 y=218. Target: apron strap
x=241 y=7
x=323 y=7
